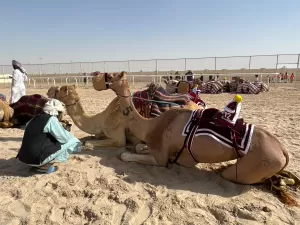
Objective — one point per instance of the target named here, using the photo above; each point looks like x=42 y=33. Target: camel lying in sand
x=109 y=123
x=19 y=113
x=171 y=139
x=6 y=113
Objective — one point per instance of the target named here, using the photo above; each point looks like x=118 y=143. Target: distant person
x=286 y=77
x=189 y=75
x=45 y=140
x=292 y=77
x=18 y=78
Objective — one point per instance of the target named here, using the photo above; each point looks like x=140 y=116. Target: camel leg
x=115 y=139
x=102 y=143
x=143 y=159
x=255 y=168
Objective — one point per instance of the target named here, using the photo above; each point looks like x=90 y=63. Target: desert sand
x=96 y=187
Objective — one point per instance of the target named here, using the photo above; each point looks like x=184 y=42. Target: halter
x=106 y=80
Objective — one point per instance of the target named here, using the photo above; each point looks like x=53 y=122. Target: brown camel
x=164 y=137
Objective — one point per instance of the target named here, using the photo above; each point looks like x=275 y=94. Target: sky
x=95 y=30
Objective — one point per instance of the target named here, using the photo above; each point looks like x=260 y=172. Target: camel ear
x=166 y=82
x=123 y=74
x=74 y=86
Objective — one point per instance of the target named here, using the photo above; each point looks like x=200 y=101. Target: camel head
x=52 y=92
x=171 y=86
x=183 y=87
x=116 y=81
x=68 y=95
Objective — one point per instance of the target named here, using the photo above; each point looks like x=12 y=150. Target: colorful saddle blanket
x=163 y=101
x=201 y=123
x=27 y=107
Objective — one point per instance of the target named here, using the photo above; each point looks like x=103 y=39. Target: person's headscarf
x=53 y=107
x=18 y=65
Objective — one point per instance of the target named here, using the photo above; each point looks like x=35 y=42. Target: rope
x=147 y=100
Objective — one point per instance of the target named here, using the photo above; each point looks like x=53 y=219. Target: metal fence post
x=250 y=57
x=156 y=67
x=128 y=66
x=185 y=65
x=215 y=63
x=277 y=57
x=295 y=78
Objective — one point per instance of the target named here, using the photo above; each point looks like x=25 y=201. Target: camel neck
x=83 y=121
x=137 y=124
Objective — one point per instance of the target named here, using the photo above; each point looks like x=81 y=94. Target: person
x=189 y=76
x=292 y=78
x=18 y=78
x=45 y=141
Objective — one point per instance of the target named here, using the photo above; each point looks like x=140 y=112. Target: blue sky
x=95 y=30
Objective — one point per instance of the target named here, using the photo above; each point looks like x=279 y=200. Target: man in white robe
x=18 y=78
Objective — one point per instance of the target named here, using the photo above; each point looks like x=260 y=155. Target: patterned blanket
x=156 y=108
x=27 y=107
x=247 y=88
x=261 y=86
x=212 y=87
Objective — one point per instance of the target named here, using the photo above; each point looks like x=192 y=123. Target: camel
x=171 y=139
x=109 y=123
x=6 y=113
x=19 y=113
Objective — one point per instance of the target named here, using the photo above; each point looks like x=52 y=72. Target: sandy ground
x=96 y=187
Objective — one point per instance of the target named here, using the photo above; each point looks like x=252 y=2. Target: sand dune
x=96 y=187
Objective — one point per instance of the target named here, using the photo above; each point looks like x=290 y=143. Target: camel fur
x=163 y=137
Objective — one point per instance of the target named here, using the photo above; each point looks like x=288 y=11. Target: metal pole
x=215 y=63
x=250 y=57
x=40 y=72
x=295 y=79
x=276 y=69
x=185 y=65
x=128 y=66
x=60 y=74
x=105 y=67
x=156 y=67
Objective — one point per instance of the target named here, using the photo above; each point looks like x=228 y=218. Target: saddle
x=213 y=116
x=209 y=122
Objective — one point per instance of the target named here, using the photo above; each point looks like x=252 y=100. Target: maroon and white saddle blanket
x=201 y=123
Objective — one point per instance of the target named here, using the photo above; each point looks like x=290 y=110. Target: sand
x=96 y=187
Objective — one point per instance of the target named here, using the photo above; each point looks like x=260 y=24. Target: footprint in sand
x=17 y=208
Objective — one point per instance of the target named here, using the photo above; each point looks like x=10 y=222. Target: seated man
x=45 y=141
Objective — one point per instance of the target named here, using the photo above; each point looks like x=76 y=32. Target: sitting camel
x=109 y=123
x=189 y=137
x=19 y=113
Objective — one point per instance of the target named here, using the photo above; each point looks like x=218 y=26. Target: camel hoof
x=126 y=156
x=88 y=145
x=141 y=148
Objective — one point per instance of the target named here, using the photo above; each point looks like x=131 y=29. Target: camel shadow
x=6 y=139
x=174 y=177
